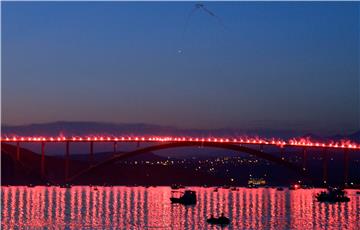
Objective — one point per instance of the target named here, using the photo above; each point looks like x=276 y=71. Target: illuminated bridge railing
x=305 y=143
x=248 y=141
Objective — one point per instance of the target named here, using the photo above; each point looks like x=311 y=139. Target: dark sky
x=272 y=65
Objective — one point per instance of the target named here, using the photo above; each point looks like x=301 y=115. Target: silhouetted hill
x=100 y=128
x=105 y=155
x=353 y=137
x=160 y=172
x=27 y=170
x=84 y=128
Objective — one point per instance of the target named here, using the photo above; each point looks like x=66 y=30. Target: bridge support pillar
x=18 y=151
x=282 y=153
x=346 y=167
x=115 y=148
x=304 y=159
x=43 y=159
x=91 y=159
x=325 y=167
x=67 y=161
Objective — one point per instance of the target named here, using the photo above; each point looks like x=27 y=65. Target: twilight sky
x=273 y=65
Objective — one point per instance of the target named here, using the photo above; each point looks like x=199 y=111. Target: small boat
x=65 y=186
x=358 y=193
x=280 y=189
x=222 y=220
x=175 y=186
x=187 y=198
x=304 y=186
x=332 y=195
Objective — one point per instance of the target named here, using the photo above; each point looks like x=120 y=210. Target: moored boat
x=65 y=186
x=187 y=198
x=222 y=220
x=332 y=195
x=177 y=186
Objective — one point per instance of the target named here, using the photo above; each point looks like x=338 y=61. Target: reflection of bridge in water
x=252 y=146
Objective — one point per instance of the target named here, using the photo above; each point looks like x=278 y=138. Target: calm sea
x=150 y=208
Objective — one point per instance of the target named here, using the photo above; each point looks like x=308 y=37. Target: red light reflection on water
x=141 y=208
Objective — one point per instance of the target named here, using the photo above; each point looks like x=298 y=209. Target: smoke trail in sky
x=205 y=9
x=199 y=6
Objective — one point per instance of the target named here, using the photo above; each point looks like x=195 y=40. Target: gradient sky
x=274 y=66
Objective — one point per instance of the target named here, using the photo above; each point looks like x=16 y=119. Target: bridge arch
x=237 y=148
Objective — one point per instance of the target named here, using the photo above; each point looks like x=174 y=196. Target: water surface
x=150 y=208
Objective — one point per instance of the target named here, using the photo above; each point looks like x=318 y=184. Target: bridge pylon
x=42 y=159
x=67 y=160
x=18 y=151
x=115 y=148
x=91 y=157
x=346 y=167
x=325 y=158
x=304 y=159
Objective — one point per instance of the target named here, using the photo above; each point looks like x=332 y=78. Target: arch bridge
x=252 y=146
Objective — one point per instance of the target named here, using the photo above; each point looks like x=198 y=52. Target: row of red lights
x=292 y=142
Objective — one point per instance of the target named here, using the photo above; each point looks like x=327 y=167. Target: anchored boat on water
x=188 y=198
x=222 y=220
x=177 y=186
x=333 y=195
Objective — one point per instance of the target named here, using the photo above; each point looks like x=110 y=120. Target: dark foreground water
x=150 y=208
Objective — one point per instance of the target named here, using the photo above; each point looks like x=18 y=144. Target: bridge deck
x=246 y=141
